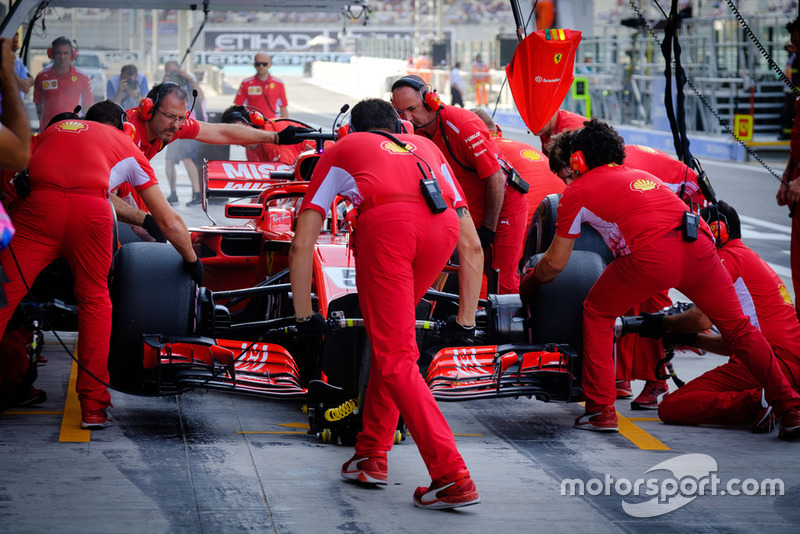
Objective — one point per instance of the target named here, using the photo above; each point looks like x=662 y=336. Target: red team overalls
x=400 y=248
x=730 y=394
x=67 y=214
x=639 y=219
x=268 y=96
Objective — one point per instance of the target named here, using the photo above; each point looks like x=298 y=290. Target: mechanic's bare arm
x=169 y=222
x=552 y=263
x=694 y=320
x=301 y=256
x=127 y=213
x=234 y=134
x=495 y=194
x=284 y=112
x=470 y=268
x=15 y=134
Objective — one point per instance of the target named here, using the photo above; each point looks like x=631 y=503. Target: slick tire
x=556 y=309
x=151 y=293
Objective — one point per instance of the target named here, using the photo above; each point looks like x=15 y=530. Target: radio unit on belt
x=433 y=195
x=513 y=178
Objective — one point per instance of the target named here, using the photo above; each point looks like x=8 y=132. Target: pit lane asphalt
x=213 y=462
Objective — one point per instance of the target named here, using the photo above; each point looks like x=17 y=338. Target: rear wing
x=240 y=179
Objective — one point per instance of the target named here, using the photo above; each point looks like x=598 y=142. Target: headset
x=718 y=223
x=252 y=116
x=400 y=126
x=577 y=162
x=73 y=46
x=430 y=99
x=149 y=104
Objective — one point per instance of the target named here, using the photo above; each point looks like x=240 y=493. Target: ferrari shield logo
x=271 y=85
x=557 y=58
x=254 y=90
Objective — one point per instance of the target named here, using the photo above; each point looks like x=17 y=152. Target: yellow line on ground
x=637 y=436
x=656 y=419
x=71 y=431
x=33 y=412
x=295 y=425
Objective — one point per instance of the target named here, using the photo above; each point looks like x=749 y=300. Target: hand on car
x=455 y=334
x=195 y=270
x=311 y=326
x=287 y=135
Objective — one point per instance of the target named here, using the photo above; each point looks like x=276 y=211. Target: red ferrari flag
x=540 y=74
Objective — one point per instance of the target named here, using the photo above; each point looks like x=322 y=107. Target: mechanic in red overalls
x=67 y=214
x=161 y=118
x=645 y=226
x=789 y=190
x=263 y=91
x=60 y=87
x=286 y=154
x=494 y=204
x=730 y=394
x=400 y=247
x=529 y=162
x=637 y=356
x=561 y=121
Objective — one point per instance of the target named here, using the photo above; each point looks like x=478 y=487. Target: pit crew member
x=789 y=195
x=263 y=91
x=637 y=356
x=400 y=247
x=494 y=204
x=285 y=154
x=60 y=87
x=67 y=214
x=561 y=121
x=730 y=394
x=161 y=118
x=657 y=245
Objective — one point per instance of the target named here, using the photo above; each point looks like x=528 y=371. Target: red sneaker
x=651 y=395
x=95 y=420
x=452 y=491
x=765 y=420
x=600 y=418
x=366 y=469
x=790 y=425
x=624 y=390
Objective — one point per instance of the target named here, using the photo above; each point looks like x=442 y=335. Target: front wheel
x=151 y=293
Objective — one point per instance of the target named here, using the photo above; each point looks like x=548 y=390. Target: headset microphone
x=342 y=111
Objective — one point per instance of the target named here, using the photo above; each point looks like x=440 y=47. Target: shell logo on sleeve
x=530 y=154
x=647 y=149
x=72 y=126
x=644 y=184
x=394 y=148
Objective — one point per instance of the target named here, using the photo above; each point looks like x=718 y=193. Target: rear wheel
x=151 y=294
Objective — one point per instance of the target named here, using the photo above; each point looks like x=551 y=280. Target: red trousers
x=509 y=240
x=695 y=270
x=637 y=356
x=77 y=226
x=400 y=249
x=727 y=395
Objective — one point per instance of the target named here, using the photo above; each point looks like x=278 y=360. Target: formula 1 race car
x=237 y=332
